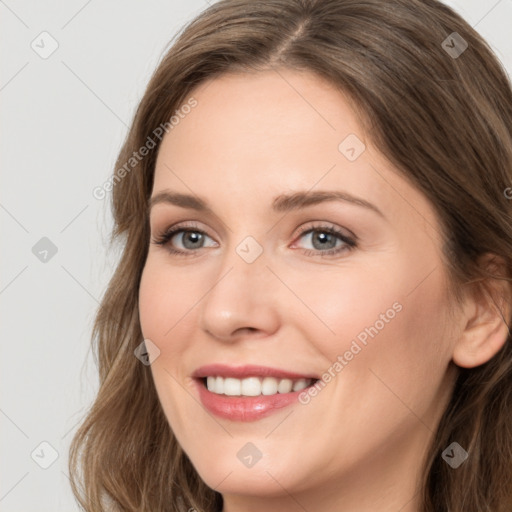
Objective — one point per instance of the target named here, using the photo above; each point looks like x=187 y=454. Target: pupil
x=322 y=236
x=193 y=235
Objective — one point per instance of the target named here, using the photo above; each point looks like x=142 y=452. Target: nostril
x=244 y=330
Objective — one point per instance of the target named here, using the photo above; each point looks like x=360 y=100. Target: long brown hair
x=441 y=112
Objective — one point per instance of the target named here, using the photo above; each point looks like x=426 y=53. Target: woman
x=311 y=310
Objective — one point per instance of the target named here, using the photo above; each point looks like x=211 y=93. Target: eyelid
x=327 y=226
x=189 y=225
x=169 y=232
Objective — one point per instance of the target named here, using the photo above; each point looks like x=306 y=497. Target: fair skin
x=359 y=443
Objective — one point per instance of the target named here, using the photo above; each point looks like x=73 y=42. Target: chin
x=226 y=472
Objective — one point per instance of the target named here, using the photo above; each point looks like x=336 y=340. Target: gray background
x=63 y=120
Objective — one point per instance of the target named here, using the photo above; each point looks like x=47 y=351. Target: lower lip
x=245 y=408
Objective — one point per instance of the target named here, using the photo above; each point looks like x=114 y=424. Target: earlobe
x=487 y=321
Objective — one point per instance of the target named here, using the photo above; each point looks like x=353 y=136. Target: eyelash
x=164 y=238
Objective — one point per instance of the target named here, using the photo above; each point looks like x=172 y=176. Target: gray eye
x=190 y=239
x=322 y=240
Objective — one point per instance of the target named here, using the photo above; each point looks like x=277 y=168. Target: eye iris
x=195 y=236
x=323 y=236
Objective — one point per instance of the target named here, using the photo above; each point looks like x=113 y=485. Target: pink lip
x=245 y=408
x=239 y=372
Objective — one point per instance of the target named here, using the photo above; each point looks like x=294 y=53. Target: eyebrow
x=282 y=203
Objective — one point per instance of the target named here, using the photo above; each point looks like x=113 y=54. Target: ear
x=486 y=316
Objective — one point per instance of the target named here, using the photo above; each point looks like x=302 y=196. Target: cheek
x=427 y=328
x=407 y=358
x=165 y=303
x=347 y=304
x=163 y=306
x=383 y=320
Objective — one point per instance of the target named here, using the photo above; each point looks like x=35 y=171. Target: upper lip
x=239 y=372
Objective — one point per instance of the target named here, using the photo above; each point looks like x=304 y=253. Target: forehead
x=256 y=135
x=267 y=126
x=280 y=109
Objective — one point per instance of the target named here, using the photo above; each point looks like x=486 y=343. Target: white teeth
x=269 y=386
x=251 y=386
x=285 y=386
x=254 y=386
x=300 y=384
x=232 y=387
x=219 y=384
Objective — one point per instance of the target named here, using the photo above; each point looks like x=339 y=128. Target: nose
x=242 y=299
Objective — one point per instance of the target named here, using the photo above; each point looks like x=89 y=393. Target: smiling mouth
x=254 y=386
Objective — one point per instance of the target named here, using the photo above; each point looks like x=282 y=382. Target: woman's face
x=276 y=280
